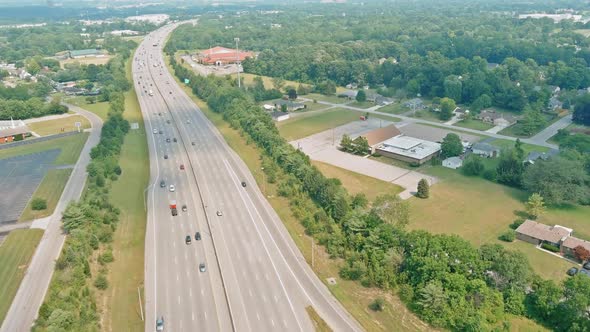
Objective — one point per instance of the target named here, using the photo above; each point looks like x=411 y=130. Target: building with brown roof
x=570 y=243
x=376 y=136
x=220 y=56
x=537 y=233
x=496 y=118
x=13 y=130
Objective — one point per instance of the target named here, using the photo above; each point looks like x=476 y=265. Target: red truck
x=173 y=208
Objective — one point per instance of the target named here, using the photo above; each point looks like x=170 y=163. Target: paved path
x=551 y=130
x=11 y=227
x=32 y=290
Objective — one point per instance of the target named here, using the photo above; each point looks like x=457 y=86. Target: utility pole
x=237 y=40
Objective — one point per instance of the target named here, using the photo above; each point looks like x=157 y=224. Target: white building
x=453 y=162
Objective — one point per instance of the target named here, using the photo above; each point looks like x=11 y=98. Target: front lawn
x=474 y=124
x=330 y=99
x=395 y=108
x=99 y=108
x=505 y=144
x=364 y=104
x=52 y=127
x=516 y=129
x=304 y=126
x=426 y=115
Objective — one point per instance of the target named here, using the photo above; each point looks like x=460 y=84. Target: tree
x=518 y=148
x=292 y=94
x=510 y=169
x=432 y=297
x=532 y=121
x=359 y=201
x=346 y=143
x=392 y=209
x=582 y=111
x=361 y=96
x=101 y=282
x=278 y=83
x=423 y=189
x=377 y=304
x=558 y=180
x=361 y=145
x=451 y=146
x=38 y=204
x=91 y=99
x=453 y=88
x=447 y=106
x=472 y=165
x=535 y=206
x=582 y=253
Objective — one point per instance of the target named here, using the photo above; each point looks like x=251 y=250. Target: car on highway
x=193 y=143
x=160 y=324
x=184 y=208
x=162 y=184
x=572 y=271
x=168 y=121
x=174 y=139
x=165 y=156
x=187 y=239
x=202 y=267
x=160 y=114
x=198 y=236
x=155 y=131
x=170 y=92
x=161 y=131
x=188 y=121
x=167 y=140
x=244 y=184
x=219 y=214
x=181 y=167
x=174 y=212
x=172 y=188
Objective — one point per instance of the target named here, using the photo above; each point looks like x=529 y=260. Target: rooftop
x=90 y=51
x=572 y=242
x=552 y=234
x=409 y=147
x=485 y=147
x=379 y=135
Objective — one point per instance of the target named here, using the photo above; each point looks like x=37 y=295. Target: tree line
x=444 y=279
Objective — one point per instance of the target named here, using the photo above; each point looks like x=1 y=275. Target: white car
x=219 y=213
x=172 y=188
x=155 y=131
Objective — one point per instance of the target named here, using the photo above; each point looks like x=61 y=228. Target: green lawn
x=426 y=115
x=52 y=127
x=358 y=183
x=70 y=148
x=479 y=211
x=121 y=312
x=474 y=124
x=330 y=99
x=101 y=109
x=304 y=126
x=395 y=108
x=50 y=189
x=516 y=129
x=311 y=106
x=364 y=104
x=15 y=254
x=508 y=144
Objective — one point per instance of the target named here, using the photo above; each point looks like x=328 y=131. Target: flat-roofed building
x=409 y=149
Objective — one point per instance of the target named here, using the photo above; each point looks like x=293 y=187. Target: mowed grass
x=358 y=183
x=364 y=104
x=52 y=127
x=120 y=305
x=248 y=80
x=474 y=124
x=395 y=108
x=99 y=108
x=330 y=99
x=15 y=255
x=480 y=211
x=506 y=144
x=354 y=297
x=319 y=324
x=304 y=126
x=50 y=190
x=87 y=61
x=70 y=146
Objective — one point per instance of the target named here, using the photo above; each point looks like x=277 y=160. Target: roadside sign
x=78 y=125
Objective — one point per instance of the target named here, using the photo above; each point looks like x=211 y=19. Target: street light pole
x=237 y=40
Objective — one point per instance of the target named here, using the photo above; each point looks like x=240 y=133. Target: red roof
x=223 y=54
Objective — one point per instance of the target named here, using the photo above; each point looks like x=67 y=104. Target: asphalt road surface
x=30 y=295
x=255 y=278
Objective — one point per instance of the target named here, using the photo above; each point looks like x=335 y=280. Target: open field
x=479 y=211
x=248 y=80
x=311 y=106
x=87 y=61
x=358 y=183
x=508 y=144
x=15 y=254
x=121 y=303
x=395 y=108
x=474 y=124
x=516 y=129
x=53 y=127
x=304 y=126
x=364 y=104
x=50 y=189
x=583 y=32
x=330 y=99
x=354 y=297
x=426 y=115
x=100 y=108
x=70 y=146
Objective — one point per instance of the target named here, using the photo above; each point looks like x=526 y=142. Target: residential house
x=554 y=89
x=570 y=243
x=348 y=94
x=452 y=162
x=291 y=106
x=497 y=118
x=554 y=104
x=279 y=116
x=382 y=101
x=537 y=233
x=534 y=155
x=13 y=130
x=351 y=86
x=485 y=150
x=415 y=104
x=461 y=113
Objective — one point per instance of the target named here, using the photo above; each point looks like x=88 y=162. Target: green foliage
x=532 y=121
x=535 y=206
x=447 y=106
x=473 y=165
x=451 y=146
x=377 y=305
x=558 y=180
x=510 y=168
x=582 y=111
x=38 y=204
x=508 y=236
x=423 y=189
x=516 y=223
x=361 y=96
x=550 y=247
x=101 y=282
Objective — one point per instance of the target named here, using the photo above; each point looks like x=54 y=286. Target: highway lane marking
x=179 y=303
x=175 y=261
x=257 y=315
x=272 y=322
x=250 y=291
x=193 y=315
x=202 y=292
x=190 y=292
x=177 y=277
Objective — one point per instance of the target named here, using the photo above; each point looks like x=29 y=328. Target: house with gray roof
x=415 y=104
x=291 y=105
x=554 y=104
x=485 y=150
x=349 y=94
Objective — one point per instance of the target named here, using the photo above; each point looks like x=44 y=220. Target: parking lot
x=324 y=147
x=19 y=178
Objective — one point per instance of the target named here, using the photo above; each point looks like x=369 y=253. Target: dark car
x=188 y=240
x=168 y=121
x=243 y=184
x=161 y=131
x=572 y=271
x=184 y=208
x=193 y=143
x=584 y=272
x=162 y=184
x=160 y=324
x=165 y=156
x=174 y=212
x=197 y=236
x=587 y=265
x=182 y=167
x=174 y=139
x=170 y=92
x=167 y=140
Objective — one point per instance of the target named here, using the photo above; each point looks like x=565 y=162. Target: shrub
x=490 y=174
x=106 y=257
x=516 y=223
x=508 y=236
x=100 y=180
x=550 y=247
x=377 y=304
x=38 y=204
x=414 y=164
x=423 y=189
x=473 y=166
x=406 y=293
x=118 y=170
x=101 y=282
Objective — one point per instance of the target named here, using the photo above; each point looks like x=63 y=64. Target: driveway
x=548 y=132
x=324 y=147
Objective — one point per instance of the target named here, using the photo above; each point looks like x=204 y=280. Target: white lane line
x=193 y=316
x=202 y=292
x=190 y=292
x=257 y=315
x=175 y=260
x=272 y=322
x=179 y=301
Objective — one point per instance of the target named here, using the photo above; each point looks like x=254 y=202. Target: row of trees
x=446 y=280
x=70 y=304
x=32 y=108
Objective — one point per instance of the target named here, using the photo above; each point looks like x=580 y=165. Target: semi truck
x=173 y=209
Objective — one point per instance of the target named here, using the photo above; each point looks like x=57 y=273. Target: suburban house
x=554 y=104
x=415 y=104
x=13 y=131
x=496 y=118
x=382 y=101
x=291 y=106
x=91 y=52
x=220 y=56
x=348 y=94
x=534 y=155
x=452 y=162
x=375 y=137
x=351 y=86
x=554 y=89
x=279 y=116
x=485 y=150
x=559 y=236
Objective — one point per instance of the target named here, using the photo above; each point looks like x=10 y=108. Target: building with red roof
x=219 y=56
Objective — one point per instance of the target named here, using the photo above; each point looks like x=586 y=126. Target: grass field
x=358 y=183
x=305 y=126
x=330 y=99
x=479 y=211
x=50 y=189
x=516 y=129
x=395 y=108
x=508 y=144
x=248 y=80
x=86 y=61
x=15 y=254
x=354 y=297
x=319 y=324
x=426 y=115
x=311 y=106
x=364 y=104
x=70 y=148
x=101 y=109
x=53 y=127
x=474 y=124
x=120 y=303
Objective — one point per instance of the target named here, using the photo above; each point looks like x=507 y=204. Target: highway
x=256 y=279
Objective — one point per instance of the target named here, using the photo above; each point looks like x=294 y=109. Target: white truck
x=151 y=93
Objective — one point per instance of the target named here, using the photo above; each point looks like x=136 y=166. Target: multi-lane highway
x=255 y=278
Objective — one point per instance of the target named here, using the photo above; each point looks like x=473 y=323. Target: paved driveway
x=324 y=147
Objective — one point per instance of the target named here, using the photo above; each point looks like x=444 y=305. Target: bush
x=406 y=293
x=423 y=189
x=100 y=180
x=118 y=170
x=550 y=247
x=473 y=166
x=490 y=174
x=38 y=204
x=106 y=257
x=377 y=304
x=516 y=223
x=101 y=282
x=508 y=236
x=414 y=164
